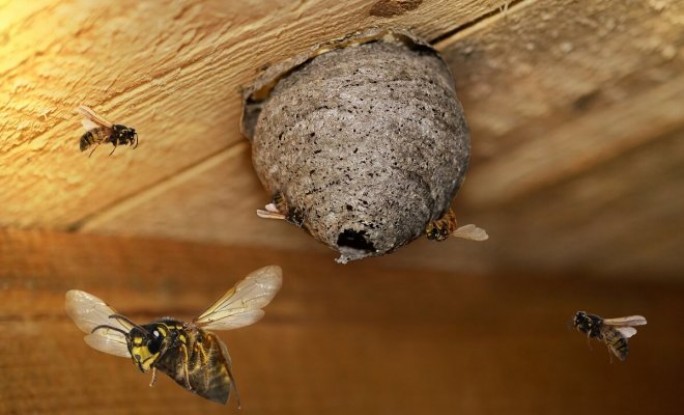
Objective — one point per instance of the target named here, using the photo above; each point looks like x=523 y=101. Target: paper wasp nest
x=362 y=141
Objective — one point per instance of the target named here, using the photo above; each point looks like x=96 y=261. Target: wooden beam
x=171 y=69
x=337 y=339
x=215 y=201
x=577 y=146
x=537 y=65
x=563 y=104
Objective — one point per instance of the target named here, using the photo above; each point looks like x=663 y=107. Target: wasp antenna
x=136 y=141
x=127 y=320
x=105 y=326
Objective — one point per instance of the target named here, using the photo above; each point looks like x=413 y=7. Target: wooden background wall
x=576 y=111
x=336 y=340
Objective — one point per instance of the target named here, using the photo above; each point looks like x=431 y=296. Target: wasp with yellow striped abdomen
x=192 y=356
x=100 y=131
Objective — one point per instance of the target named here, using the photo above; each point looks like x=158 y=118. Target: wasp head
x=122 y=135
x=587 y=323
x=145 y=344
x=582 y=322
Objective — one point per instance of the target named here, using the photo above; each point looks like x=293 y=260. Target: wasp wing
x=88 y=312
x=89 y=125
x=92 y=119
x=108 y=341
x=626 y=332
x=625 y=321
x=242 y=305
x=267 y=214
x=471 y=232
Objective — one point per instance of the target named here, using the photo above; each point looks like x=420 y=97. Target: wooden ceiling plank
x=170 y=69
x=215 y=201
x=151 y=195
x=577 y=147
x=544 y=63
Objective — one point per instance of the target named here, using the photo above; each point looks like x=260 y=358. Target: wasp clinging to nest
x=447 y=226
x=193 y=357
x=100 y=131
x=280 y=209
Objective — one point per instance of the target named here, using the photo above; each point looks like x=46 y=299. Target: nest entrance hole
x=355 y=239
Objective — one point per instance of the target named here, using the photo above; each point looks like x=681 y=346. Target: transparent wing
x=96 y=120
x=108 y=341
x=471 y=232
x=265 y=214
x=626 y=321
x=89 y=125
x=626 y=332
x=88 y=312
x=242 y=305
x=270 y=211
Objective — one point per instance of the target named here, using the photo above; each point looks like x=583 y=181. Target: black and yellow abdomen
x=196 y=359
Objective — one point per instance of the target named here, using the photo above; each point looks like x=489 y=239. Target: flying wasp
x=100 y=131
x=614 y=332
x=193 y=357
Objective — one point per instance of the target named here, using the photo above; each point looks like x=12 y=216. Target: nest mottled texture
x=366 y=141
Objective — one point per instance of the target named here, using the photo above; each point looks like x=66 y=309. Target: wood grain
x=578 y=146
x=337 y=339
x=541 y=65
x=620 y=220
x=601 y=107
x=561 y=95
x=192 y=205
x=170 y=69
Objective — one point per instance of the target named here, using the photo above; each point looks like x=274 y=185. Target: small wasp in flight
x=614 y=332
x=193 y=357
x=100 y=131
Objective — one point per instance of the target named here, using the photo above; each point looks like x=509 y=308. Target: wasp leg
x=154 y=376
x=203 y=356
x=113 y=150
x=186 y=360
x=440 y=229
x=94 y=148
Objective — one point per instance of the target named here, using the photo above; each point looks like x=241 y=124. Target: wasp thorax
x=364 y=139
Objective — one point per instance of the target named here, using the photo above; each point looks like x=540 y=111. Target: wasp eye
x=153 y=345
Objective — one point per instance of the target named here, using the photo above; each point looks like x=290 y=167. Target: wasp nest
x=361 y=141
